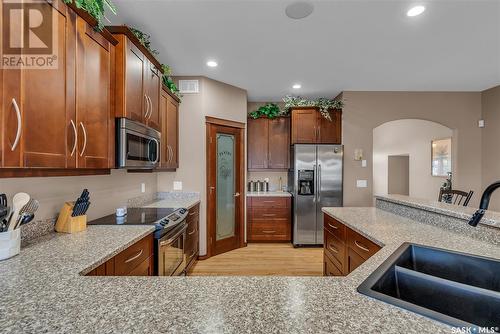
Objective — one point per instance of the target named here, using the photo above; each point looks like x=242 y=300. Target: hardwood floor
x=263 y=259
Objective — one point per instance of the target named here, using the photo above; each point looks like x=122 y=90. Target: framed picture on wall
x=441 y=157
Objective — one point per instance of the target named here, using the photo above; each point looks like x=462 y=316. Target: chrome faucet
x=485 y=202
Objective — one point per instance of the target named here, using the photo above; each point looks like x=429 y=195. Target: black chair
x=456 y=197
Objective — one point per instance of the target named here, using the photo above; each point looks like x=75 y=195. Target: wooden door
x=304 y=126
x=47 y=102
x=330 y=132
x=173 y=131
x=135 y=65
x=279 y=143
x=94 y=117
x=258 y=138
x=153 y=95
x=225 y=182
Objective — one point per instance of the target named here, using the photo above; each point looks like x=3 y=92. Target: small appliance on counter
x=170 y=235
x=258 y=186
x=72 y=217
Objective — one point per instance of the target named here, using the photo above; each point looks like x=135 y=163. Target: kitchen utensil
x=25 y=218
x=30 y=207
x=10 y=244
x=18 y=202
x=3 y=200
x=81 y=204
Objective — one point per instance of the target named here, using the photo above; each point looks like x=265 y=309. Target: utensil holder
x=10 y=244
x=67 y=224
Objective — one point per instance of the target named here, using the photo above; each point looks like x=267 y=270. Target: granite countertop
x=43 y=291
x=491 y=218
x=269 y=194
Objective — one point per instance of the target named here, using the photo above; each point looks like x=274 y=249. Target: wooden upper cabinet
x=153 y=84
x=310 y=127
x=258 y=138
x=95 y=120
x=279 y=143
x=268 y=143
x=138 y=79
x=169 y=118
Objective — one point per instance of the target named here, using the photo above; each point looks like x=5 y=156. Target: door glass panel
x=225 y=186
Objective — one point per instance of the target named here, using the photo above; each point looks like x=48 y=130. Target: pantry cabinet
x=169 y=118
x=268 y=143
x=138 y=79
x=310 y=127
x=60 y=118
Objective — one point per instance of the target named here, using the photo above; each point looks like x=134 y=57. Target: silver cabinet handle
x=171 y=154
x=76 y=138
x=193 y=232
x=361 y=246
x=19 y=125
x=150 y=107
x=333 y=226
x=333 y=248
x=147 y=107
x=268 y=215
x=84 y=139
x=134 y=257
x=268 y=231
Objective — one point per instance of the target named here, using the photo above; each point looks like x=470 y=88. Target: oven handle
x=172 y=239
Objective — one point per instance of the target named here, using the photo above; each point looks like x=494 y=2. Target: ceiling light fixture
x=212 y=63
x=297 y=86
x=299 y=10
x=415 y=11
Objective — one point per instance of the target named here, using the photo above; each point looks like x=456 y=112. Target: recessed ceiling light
x=212 y=63
x=297 y=86
x=299 y=10
x=415 y=11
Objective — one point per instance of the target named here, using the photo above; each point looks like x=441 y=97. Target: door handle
x=135 y=256
x=84 y=139
x=147 y=107
x=76 y=138
x=19 y=125
x=150 y=107
x=237 y=195
x=318 y=191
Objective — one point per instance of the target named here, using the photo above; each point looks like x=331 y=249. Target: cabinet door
x=44 y=103
x=304 y=126
x=353 y=260
x=330 y=132
x=258 y=138
x=164 y=150
x=94 y=117
x=279 y=143
x=135 y=65
x=173 y=131
x=153 y=96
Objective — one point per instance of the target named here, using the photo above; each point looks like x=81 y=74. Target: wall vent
x=189 y=86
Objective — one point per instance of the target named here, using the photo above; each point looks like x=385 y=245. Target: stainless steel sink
x=455 y=288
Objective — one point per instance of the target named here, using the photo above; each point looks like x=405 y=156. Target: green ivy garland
x=324 y=104
x=96 y=9
x=270 y=110
x=167 y=80
x=145 y=40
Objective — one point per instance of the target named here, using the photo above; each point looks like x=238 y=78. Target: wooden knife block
x=67 y=224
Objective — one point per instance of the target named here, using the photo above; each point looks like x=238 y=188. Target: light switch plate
x=363 y=163
x=178 y=185
x=361 y=183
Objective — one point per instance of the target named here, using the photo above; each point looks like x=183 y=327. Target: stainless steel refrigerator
x=316 y=179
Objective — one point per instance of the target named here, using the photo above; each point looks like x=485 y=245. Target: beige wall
x=411 y=137
x=491 y=141
x=364 y=111
x=398 y=170
x=215 y=99
x=107 y=191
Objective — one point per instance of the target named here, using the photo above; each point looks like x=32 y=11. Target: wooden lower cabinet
x=269 y=219
x=344 y=249
x=136 y=260
x=192 y=248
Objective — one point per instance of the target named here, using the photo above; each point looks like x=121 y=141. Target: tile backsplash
x=273 y=178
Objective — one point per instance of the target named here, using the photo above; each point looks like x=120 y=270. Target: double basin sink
x=458 y=289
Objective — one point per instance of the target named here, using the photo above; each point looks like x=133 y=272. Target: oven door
x=137 y=150
x=171 y=258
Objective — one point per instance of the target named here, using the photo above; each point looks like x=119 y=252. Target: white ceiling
x=344 y=45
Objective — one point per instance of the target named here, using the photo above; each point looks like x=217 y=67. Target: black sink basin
x=455 y=288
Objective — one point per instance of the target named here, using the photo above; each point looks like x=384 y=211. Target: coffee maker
x=306 y=182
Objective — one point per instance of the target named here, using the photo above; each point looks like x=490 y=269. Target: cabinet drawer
x=329 y=269
x=269 y=230
x=270 y=202
x=131 y=257
x=336 y=249
x=335 y=227
x=194 y=211
x=143 y=269
x=361 y=245
x=270 y=213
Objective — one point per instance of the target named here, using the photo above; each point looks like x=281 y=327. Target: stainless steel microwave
x=137 y=145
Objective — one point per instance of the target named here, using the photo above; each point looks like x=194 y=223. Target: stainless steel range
x=169 y=235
